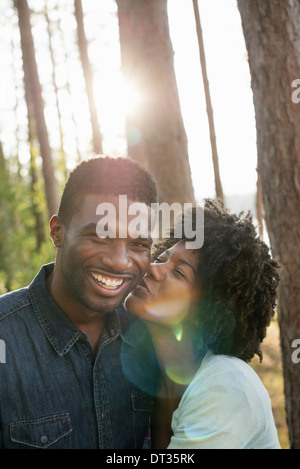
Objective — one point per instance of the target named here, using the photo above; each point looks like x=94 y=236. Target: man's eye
x=141 y=245
x=97 y=236
x=89 y=235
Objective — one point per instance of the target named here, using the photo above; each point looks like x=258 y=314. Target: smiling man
x=93 y=274
x=79 y=371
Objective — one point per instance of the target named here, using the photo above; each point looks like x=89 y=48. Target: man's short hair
x=105 y=175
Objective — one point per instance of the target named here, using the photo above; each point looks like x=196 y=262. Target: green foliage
x=21 y=253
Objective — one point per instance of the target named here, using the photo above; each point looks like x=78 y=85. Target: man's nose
x=116 y=258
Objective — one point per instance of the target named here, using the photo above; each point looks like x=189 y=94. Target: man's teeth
x=108 y=282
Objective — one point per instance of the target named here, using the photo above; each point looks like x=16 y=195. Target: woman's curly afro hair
x=239 y=281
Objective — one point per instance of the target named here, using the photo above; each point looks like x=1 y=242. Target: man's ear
x=56 y=231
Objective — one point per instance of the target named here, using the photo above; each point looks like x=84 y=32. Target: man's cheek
x=145 y=264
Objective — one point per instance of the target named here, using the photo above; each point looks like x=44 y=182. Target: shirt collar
x=127 y=325
x=60 y=331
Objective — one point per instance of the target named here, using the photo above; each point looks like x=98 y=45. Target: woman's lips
x=142 y=287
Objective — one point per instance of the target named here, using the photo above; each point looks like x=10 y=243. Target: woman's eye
x=158 y=259
x=180 y=273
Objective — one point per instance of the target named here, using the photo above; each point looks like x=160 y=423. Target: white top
x=225 y=406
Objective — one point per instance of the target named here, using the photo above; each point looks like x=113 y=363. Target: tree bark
x=67 y=87
x=160 y=141
x=259 y=209
x=32 y=137
x=272 y=34
x=30 y=68
x=62 y=153
x=209 y=108
x=5 y=221
x=87 y=72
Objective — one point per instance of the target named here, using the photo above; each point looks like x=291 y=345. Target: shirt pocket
x=142 y=408
x=142 y=401
x=46 y=432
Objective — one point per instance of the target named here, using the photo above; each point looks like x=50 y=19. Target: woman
x=207 y=311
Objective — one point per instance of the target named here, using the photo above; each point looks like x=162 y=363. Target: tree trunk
x=83 y=49
x=38 y=217
x=272 y=34
x=259 y=209
x=30 y=68
x=159 y=138
x=209 y=108
x=7 y=220
x=67 y=87
x=62 y=154
x=17 y=103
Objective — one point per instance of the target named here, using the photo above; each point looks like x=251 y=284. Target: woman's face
x=169 y=290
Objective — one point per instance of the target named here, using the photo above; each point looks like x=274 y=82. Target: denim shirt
x=55 y=393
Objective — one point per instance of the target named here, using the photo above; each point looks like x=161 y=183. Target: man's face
x=100 y=272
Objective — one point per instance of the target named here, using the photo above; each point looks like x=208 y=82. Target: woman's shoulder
x=216 y=365
x=226 y=406
x=227 y=375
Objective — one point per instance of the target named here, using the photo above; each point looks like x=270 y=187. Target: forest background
x=170 y=84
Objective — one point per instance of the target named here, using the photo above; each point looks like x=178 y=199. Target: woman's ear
x=56 y=231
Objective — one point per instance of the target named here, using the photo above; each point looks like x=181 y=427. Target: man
x=78 y=371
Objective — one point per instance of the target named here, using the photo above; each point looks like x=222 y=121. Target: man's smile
x=108 y=282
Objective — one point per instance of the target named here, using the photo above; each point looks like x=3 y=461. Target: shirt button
x=44 y=439
x=112 y=332
x=103 y=416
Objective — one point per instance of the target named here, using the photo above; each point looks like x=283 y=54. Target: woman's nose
x=157 y=271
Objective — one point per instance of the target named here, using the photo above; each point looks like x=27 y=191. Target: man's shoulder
x=14 y=301
x=17 y=300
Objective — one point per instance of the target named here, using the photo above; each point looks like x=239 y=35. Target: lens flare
x=131 y=97
x=170 y=312
x=133 y=135
x=172 y=375
x=178 y=331
x=196 y=435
